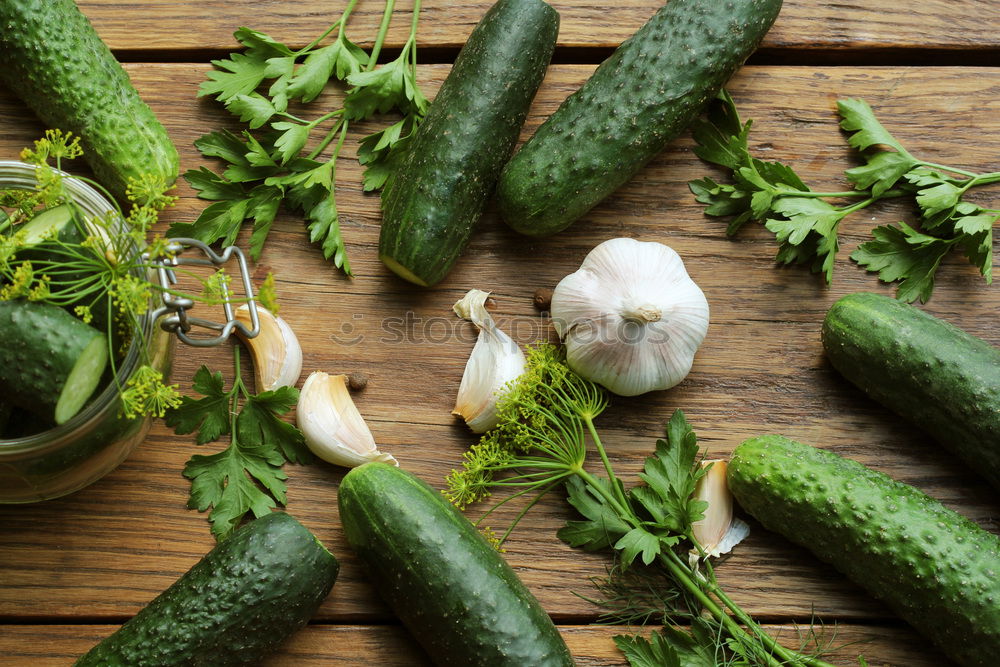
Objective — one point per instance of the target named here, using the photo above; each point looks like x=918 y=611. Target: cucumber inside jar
x=51 y=363
x=54 y=311
x=82 y=366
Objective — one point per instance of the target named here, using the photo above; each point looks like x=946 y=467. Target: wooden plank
x=392 y=646
x=107 y=550
x=803 y=24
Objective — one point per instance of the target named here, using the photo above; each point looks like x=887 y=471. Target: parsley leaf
x=341 y=59
x=292 y=139
x=672 y=647
x=906 y=255
x=769 y=192
x=977 y=239
x=277 y=160
x=858 y=118
x=219 y=220
x=807 y=219
x=227 y=482
x=241 y=73
x=638 y=541
x=805 y=223
x=263 y=203
x=254 y=109
x=603 y=526
x=209 y=416
x=260 y=424
x=222 y=144
x=670 y=476
x=391 y=86
x=882 y=170
x=382 y=153
x=247 y=475
x=211 y=186
x=655 y=652
x=722 y=138
x=723 y=200
x=323 y=221
x=937 y=195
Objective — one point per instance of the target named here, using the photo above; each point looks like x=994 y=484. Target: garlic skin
x=495 y=360
x=719 y=531
x=631 y=318
x=277 y=355
x=334 y=430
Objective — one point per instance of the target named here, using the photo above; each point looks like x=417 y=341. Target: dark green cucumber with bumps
x=246 y=596
x=637 y=101
x=50 y=362
x=932 y=373
x=439 y=192
x=60 y=223
x=53 y=59
x=451 y=589
x=936 y=569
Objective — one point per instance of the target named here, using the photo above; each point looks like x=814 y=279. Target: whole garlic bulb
x=631 y=318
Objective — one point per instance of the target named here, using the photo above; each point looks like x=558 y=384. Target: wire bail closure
x=174 y=311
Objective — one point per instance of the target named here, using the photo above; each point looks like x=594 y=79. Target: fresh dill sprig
x=540 y=413
x=638 y=595
x=546 y=418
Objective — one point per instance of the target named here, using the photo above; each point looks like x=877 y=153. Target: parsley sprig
x=546 y=418
x=277 y=161
x=806 y=223
x=247 y=475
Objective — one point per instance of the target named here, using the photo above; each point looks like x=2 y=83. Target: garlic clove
x=495 y=361
x=333 y=427
x=719 y=531
x=277 y=355
x=631 y=318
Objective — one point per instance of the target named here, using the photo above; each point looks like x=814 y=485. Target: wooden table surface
x=73 y=569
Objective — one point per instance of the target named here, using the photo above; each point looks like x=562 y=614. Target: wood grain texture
x=104 y=552
x=392 y=646
x=803 y=24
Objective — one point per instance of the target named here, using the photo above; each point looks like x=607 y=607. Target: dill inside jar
x=83 y=368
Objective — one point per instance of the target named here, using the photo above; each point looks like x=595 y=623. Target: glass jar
x=68 y=457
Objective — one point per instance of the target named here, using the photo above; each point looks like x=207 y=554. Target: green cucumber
x=639 y=99
x=6 y=411
x=933 y=567
x=58 y=222
x=437 y=195
x=448 y=585
x=53 y=59
x=20 y=423
x=45 y=238
x=246 y=596
x=50 y=362
x=930 y=372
